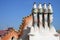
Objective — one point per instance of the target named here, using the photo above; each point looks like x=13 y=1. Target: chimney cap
x=49 y=3
x=34 y=2
x=44 y=3
x=45 y=6
x=50 y=10
x=34 y=5
x=39 y=5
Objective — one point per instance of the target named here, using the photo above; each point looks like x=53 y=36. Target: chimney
x=40 y=12
x=44 y=15
x=34 y=14
x=50 y=16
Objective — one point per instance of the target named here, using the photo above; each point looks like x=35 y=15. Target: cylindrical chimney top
x=39 y=6
x=50 y=10
x=34 y=5
x=45 y=10
x=45 y=6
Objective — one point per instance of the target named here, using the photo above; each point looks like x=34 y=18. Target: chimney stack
x=42 y=16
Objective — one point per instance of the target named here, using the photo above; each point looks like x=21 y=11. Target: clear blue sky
x=12 y=12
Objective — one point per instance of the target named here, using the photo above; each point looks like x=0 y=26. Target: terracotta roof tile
x=3 y=32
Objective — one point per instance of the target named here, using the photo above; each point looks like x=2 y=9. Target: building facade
x=36 y=26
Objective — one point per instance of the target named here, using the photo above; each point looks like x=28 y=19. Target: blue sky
x=12 y=12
